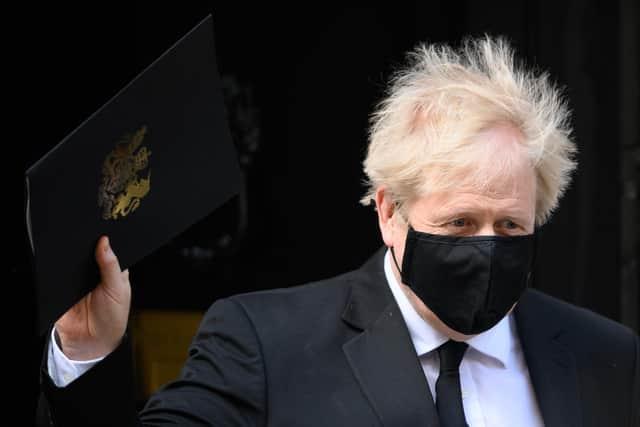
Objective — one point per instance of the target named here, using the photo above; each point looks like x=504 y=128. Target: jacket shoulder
x=322 y=294
x=583 y=326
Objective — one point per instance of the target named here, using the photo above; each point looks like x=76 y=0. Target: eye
x=510 y=225
x=460 y=222
x=460 y=227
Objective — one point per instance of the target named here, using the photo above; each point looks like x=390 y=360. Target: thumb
x=107 y=262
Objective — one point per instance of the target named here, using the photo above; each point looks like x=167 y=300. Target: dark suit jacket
x=338 y=353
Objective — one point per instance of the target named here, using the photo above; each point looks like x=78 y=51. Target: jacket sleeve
x=221 y=384
x=103 y=396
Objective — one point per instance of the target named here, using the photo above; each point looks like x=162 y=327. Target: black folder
x=152 y=161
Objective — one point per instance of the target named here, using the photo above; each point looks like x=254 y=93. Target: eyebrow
x=517 y=215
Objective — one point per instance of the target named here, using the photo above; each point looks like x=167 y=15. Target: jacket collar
x=552 y=367
x=382 y=357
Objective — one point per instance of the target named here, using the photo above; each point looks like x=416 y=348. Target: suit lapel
x=382 y=357
x=552 y=367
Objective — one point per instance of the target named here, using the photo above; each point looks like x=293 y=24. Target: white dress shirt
x=496 y=388
x=63 y=370
x=494 y=378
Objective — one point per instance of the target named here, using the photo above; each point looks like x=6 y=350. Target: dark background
x=307 y=79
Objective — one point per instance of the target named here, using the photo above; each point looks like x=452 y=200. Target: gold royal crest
x=126 y=177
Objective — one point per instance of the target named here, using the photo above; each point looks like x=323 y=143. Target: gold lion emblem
x=126 y=177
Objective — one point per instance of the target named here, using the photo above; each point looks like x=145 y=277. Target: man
x=468 y=155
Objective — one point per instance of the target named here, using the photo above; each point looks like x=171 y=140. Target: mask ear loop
x=393 y=253
x=395 y=261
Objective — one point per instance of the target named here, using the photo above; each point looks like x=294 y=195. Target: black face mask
x=470 y=283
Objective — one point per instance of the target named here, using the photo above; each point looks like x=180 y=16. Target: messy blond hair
x=421 y=134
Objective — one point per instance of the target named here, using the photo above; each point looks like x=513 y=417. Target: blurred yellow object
x=161 y=340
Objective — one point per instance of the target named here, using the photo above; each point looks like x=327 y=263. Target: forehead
x=449 y=205
x=494 y=174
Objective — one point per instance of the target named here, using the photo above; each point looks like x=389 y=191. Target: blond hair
x=421 y=134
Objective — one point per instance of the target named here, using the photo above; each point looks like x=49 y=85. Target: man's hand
x=96 y=324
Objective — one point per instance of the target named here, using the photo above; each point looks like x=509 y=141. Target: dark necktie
x=448 y=393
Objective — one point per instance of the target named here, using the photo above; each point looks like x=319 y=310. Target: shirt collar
x=497 y=342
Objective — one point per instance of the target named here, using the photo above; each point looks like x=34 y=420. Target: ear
x=385 y=209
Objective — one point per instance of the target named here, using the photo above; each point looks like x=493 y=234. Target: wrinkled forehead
x=494 y=162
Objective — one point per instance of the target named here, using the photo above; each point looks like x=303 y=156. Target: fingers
x=107 y=262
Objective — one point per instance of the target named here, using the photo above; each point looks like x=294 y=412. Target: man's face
x=506 y=207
